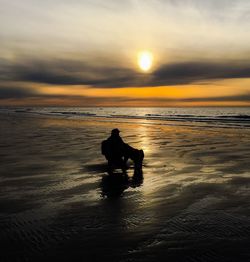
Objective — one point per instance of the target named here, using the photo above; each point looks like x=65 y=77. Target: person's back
x=113 y=150
x=115 y=145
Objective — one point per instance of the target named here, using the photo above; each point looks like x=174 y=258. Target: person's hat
x=115 y=131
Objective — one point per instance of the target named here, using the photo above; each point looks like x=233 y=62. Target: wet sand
x=57 y=202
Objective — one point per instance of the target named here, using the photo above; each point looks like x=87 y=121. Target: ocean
x=210 y=116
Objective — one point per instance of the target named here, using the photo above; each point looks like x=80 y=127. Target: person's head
x=115 y=132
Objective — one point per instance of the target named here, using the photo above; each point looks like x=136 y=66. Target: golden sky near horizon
x=125 y=53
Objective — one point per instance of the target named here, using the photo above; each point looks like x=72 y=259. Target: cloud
x=236 y=98
x=69 y=72
x=193 y=72
x=244 y=97
x=16 y=92
x=93 y=25
x=107 y=74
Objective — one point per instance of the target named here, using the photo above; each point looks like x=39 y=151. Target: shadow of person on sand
x=114 y=185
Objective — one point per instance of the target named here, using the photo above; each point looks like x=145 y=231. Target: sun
x=145 y=60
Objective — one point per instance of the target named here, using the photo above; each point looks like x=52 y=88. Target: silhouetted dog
x=134 y=154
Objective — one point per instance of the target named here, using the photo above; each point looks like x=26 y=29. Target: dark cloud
x=68 y=72
x=15 y=92
x=191 y=72
x=112 y=75
x=235 y=98
x=106 y=74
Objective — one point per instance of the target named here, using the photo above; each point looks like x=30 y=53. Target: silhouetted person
x=117 y=153
x=113 y=149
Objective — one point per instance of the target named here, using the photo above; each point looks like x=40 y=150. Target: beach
x=58 y=203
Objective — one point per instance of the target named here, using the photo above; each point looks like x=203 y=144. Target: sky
x=85 y=53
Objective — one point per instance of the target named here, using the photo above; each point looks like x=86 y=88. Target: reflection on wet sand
x=114 y=185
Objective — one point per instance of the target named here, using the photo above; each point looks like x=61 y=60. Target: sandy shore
x=57 y=203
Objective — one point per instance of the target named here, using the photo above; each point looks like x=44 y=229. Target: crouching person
x=113 y=150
